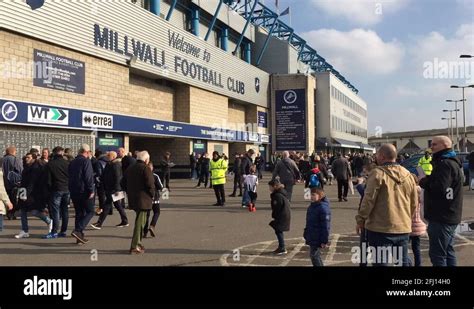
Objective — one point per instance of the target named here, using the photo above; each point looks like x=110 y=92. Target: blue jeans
x=1 y=223
x=315 y=255
x=281 y=239
x=441 y=244
x=415 y=247
x=58 y=204
x=385 y=244
x=34 y=212
x=84 y=208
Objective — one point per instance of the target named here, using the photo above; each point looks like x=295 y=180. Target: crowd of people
x=393 y=208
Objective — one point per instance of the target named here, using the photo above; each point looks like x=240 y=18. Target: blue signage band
x=33 y=114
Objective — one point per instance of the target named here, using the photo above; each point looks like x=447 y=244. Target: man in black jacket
x=342 y=172
x=192 y=165
x=237 y=175
x=58 y=183
x=111 y=178
x=443 y=201
x=81 y=187
x=246 y=163
x=205 y=161
x=166 y=170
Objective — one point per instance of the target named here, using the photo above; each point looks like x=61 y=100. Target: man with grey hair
x=139 y=183
x=288 y=172
x=81 y=187
x=443 y=199
x=386 y=211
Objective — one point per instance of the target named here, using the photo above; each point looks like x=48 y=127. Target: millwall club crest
x=257 y=84
x=35 y=4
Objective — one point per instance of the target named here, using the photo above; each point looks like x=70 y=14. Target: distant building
x=418 y=141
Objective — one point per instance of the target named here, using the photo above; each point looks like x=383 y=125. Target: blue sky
x=383 y=47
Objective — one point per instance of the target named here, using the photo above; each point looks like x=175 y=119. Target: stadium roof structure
x=260 y=15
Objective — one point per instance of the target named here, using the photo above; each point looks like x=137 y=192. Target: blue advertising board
x=262 y=119
x=25 y=113
x=290 y=119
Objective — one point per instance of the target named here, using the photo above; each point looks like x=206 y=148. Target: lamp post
x=450 y=118
x=456 y=116
x=464 y=110
x=449 y=126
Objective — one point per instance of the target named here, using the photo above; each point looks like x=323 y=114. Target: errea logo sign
x=48 y=287
x=93 y=120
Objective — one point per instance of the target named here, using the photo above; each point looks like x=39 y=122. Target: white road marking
x=332 y=248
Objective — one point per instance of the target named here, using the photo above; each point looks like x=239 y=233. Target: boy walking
x=318 y=222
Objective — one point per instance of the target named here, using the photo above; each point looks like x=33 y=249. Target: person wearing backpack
x=12 y=169
x=315 y=179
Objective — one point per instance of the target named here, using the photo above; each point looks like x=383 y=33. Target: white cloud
x=357 y=52
x=405 y=91
x=436 y=45
x=468 y=4
x=435 y=48
x=361 y=12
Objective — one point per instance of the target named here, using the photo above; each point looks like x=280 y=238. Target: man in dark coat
x=281 y=214
x=166 y=170
x=288 y=172
x=237 y=175
x=342 y=172
x=246 y=163
x=139 y=183
x=205 y=162
x=57 y=175
x=32 y=194
x=110 y=179
x=443 y=201
x=82 y=188
x=12 y=168
x=192 y=164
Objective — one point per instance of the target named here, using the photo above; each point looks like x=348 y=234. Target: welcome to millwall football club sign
x=120 y=31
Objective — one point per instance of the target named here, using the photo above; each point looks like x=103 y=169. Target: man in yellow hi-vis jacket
x=218 y=167
x=425 y=163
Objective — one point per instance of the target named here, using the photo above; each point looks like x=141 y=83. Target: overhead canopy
x=366 y=147
x=345 y=143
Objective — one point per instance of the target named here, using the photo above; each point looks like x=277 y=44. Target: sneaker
x=80 y=238
x=96 y=226
x=340 y=200
x=244 y=206
x=280 y=251
x=216 y=204
x=151 y=230
x=345 y=199
x=62 y=235
x=136 y=251
x=122 y=224
x=22 y=234
x=254 y=209
x=50 y=236
x=232 y=195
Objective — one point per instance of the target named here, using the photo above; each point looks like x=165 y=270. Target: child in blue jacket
x=318 y=222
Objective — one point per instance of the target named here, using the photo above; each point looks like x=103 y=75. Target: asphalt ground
x=192 y=232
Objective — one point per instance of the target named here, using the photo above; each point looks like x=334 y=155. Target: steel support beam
x=213 y=21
